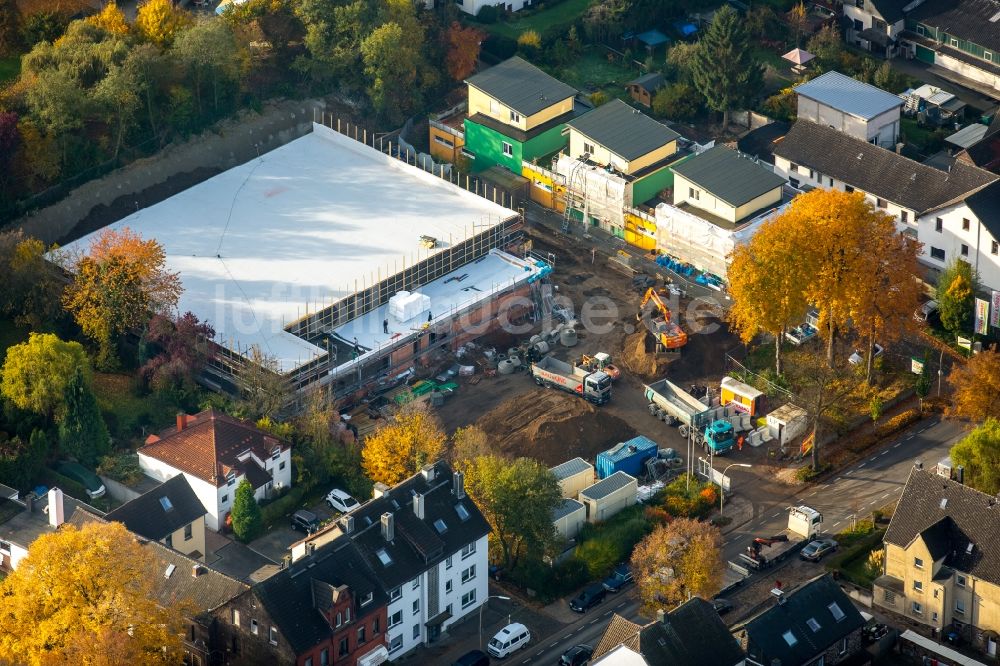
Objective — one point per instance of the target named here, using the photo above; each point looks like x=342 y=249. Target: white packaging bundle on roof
x=406 y=305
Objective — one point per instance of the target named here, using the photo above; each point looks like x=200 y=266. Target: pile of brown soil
x=552 y=426
x=639 y=361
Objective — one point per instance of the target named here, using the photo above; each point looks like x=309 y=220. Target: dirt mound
x=641 y=362
x=552 y=426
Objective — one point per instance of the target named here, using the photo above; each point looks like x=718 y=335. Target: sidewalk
x=464 y=636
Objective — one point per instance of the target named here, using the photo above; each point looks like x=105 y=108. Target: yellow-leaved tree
x=159 y=21
x=111 y=19
x=976 y=387
x=398 y=448
x=767 y=283
x=117 y=286
x=86 y=596
x=677 y=561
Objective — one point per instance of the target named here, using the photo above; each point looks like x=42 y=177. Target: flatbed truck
x=804 y=525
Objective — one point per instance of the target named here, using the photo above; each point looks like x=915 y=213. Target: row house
x=952 y=211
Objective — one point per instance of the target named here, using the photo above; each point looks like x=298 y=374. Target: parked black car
x=474 y=658
x=589 y=598
x=619 y=578
x=305 y=521
x=722 y=606
x=578 y=655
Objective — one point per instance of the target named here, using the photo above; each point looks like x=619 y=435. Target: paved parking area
x=276 y=541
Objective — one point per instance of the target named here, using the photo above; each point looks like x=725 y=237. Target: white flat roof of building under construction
x=286 y=234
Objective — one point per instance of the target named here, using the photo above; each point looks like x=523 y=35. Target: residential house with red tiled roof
x=215 y=453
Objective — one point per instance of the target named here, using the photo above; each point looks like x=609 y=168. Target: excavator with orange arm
x=656 y=317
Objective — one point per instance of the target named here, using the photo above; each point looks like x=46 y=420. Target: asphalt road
x=856 y=492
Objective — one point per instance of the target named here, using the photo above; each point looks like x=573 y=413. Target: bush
x=499 y=46
x=487 y=14
x=807 y=473
x=897 y=422
x=599 y=555
x=122 y=468
x=678 y=101
x=598 y=98
x=283 y=506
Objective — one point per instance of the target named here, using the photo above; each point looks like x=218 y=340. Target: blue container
x=629 y=457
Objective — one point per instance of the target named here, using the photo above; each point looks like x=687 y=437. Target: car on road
x=926 y=311
x=341 y=501
x=722 y=606
x=817 y=550
x=473 y=658
x=77 y=472
x=619 y=578
x=590 y=597
x=305 y=521
x=509 y=640
x=859 y=356
x=578 y=655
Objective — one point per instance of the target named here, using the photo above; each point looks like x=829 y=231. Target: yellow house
x=170 y=513
x=942 y=559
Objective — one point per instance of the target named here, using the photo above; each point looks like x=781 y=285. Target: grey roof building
x=816 y=620
x=692 y=633
x=570 y=468
x=565 y=508
x=729 y=175
x=521 y=86
x=161 y=511
x=880 y=172
x=849 y=95
x=607 y=486
x=623 y=130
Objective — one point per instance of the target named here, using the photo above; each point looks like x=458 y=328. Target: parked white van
x=509 y=640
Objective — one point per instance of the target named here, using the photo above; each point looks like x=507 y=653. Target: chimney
x=428 y=472
x=310 y=548
x=899 y=148
x=418 y=505
x=347 y=524
x=380 y=490
x=286 y=561
x=29 y=501
x=388 y=526
x=195 y=570
x=960 y=474
x=458 y=485
x=660 y=616
x=919 y=464
x=181 y=421
x=56 y=517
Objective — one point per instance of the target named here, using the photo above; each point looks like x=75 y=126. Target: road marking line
x=873 y=459
x=839 y=479
x=884 y=452
x=836 y=523
x=862 y=465
x=887 y=494
x=896 y=445
x=776 y=515
x=922 y=429
x=911 y=437
x=540 y=653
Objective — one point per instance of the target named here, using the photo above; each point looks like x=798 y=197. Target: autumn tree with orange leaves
x=463 y=50
x=117 y=286
x=976 y=386
x=677 y=561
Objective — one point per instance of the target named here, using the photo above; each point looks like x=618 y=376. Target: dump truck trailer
x=672 y=404
x=593 y=386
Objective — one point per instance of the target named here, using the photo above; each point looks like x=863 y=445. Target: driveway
x=280 y=536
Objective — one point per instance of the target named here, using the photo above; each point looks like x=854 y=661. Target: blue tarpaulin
x=652 y=38
x=686 y=28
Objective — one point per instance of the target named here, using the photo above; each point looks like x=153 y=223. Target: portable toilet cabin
x=573 y=476
x=742 y=396
x=629 y=457
x=787 y=422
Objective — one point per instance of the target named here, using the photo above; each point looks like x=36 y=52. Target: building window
x=508 y=149
x=934 y=616
x=361 y=635
x=960 y=580
x=469 y=574
x=395 y=594
x=953 y=42
x=225 y=498
x=904 y=217
x=468 y=549
x=588 y=148
x=309 y=661
x=793 y=167
x=965 y=250
x=988 y=56
x=917 y=608
x=376 y=626
x=448 y=562
x=515 y=117
x=169 y=541
x=848 y=189
x=236 y=617
x=253 y=627
x=920 y=30
x=469 y=598
x=937 y=253
x=889 y=597
x=416 y=583
x=843 y=647
x=282 y=465
x=416 y=631
x=965 y=224
x=344 y=647
x=416 y=606
x=959 y=607
x=273 y=636
x=860 y=4
x=340 y=620
x=347 y=614
x=324 y=657
x=939 y=225
x=395 y=618
x=396 y=643
x=918 y=586
x=188 y=532
x=443 y=141
x=995 y=248
x=447 y=587
x=367 y=599
x=694 y=194
x=881 y=203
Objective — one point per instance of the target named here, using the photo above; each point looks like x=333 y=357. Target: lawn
x=566 y=11
x=592 y=71
x=9 y=68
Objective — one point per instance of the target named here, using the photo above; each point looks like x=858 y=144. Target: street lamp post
x=722 y=483
x=492 y=596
